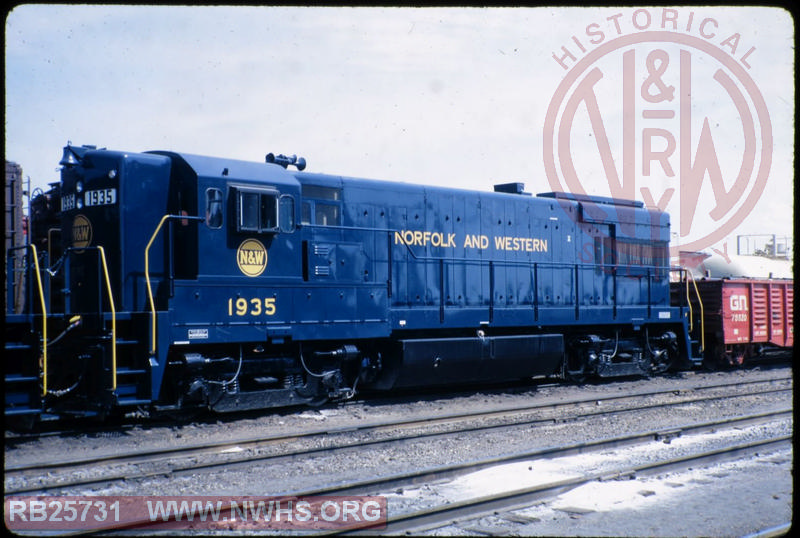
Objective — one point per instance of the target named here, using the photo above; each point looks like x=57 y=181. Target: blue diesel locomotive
x=164 y=280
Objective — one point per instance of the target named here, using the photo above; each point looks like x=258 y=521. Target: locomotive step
x=132 y=401
x=120 y=342
x=19 y=378
x=129 y=371
x=22 y=400
x=696 y=354
x=22 y=411
x=15 y=346
x=126 y=390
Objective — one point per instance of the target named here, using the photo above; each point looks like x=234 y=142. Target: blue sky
x=453 y=97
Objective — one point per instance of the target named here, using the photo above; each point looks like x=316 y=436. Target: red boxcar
x=742 y=318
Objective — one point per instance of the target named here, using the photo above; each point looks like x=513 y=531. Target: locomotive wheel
x=313 y=392
x=716 y=358
x=663 y=365
x=724 y=357
x=736 y=355
x=667 y=361
x=23 y=423
x=573 y=369
x=318 y=401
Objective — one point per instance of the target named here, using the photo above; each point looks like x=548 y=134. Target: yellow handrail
x=702 y=313
x=44 y=319
x=147 y=280
x=689 y=302
x=113 y=320
x=147 y=270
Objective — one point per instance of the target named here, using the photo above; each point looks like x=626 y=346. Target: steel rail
x=218 y=448
x=416 y=521
x=16 y=438
x=461 y=469
x=772 y=532
x=521 y=498
x=407 y=424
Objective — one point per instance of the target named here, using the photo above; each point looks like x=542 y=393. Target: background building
x=15 y=227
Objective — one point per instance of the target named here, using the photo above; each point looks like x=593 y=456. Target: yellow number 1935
x=252 y=307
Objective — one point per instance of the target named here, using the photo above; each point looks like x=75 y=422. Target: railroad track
x=504 y=502
x=73 y=473
x=374 y=486
x=415 y=521
x=405 y=396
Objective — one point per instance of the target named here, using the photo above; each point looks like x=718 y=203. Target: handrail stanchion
x=149 y=287
x=44 y=318
x=689 y=301
x=702 y=314
x=147 y=273
x=102 y=252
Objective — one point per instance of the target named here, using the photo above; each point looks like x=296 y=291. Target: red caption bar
x=193 y=512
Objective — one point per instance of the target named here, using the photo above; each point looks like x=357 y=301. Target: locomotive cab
x=221 y=336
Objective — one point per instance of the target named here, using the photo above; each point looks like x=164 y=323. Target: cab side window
x=322 y=206
x=256 y=210
x=327 y=215
x=287 y=221
x=214 y=204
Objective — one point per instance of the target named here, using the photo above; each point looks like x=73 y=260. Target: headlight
x=79 y=203
x=79 y=187
x=112 y=174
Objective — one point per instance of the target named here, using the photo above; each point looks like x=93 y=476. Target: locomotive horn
x=73 y=155
x=69 y=158
x=285 y=161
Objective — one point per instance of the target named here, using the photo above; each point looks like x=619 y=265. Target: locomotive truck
x=163 y=280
